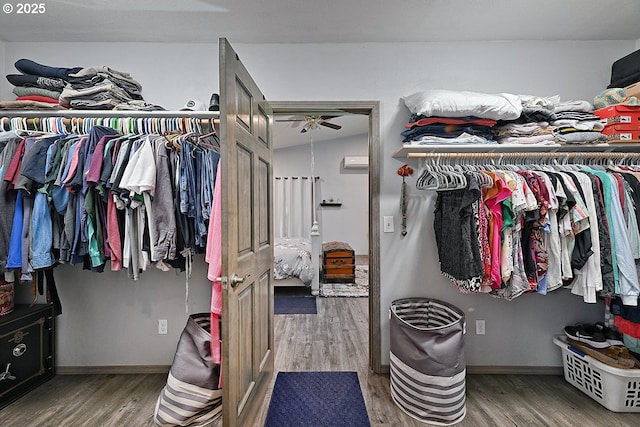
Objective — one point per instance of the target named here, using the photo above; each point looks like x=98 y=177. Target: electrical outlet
x=480 y=327
x=387 y=226
x=162 y=326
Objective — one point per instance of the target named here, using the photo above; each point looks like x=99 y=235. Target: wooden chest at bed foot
x=338 y=263
x=26 y=350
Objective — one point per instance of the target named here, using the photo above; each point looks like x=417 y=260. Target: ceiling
x=325 y=21
x=287 y=134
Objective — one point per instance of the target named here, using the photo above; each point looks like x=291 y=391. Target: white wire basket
x=616 y=389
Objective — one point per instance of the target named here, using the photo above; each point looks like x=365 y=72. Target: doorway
x=371 y=109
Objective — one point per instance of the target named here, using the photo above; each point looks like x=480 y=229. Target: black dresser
x=26 y=350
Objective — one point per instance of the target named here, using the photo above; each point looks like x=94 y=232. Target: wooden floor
x=334 y=339
x=88 y=401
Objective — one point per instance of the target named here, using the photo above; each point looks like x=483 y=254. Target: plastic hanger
x=211 y=135
x=173 y=140
x=456 y=180
x=422 y=183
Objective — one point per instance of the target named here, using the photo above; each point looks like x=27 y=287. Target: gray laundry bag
x=427 y=360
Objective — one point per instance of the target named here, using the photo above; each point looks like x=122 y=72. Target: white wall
x=348 y=223
x=518 y=333
x=2 y=55
x=108 y=319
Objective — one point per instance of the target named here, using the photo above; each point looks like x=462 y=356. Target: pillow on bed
x=450 y=103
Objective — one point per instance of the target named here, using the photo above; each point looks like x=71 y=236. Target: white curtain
x=293 y=206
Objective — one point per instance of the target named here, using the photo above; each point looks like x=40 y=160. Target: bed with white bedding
x=292 y=262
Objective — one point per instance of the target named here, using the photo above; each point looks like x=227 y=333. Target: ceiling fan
x=312 y=122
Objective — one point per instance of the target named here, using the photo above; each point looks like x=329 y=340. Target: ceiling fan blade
x=331 y=125
x=294 y=122
x=328 y=117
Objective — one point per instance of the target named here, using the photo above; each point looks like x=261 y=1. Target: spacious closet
x=112 y=325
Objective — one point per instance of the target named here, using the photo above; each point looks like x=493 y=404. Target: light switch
x=388 y=224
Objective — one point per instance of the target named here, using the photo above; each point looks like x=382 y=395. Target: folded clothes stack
x=447 y=117
x=39 y=86
x=90 y=88
x=576 y=123
x=437 y=130
x=533 y=124
x=547 y=120
x=524 y=133
x=440 y=116
x=99 y=88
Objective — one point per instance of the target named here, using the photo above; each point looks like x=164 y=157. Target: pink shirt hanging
x=213 y=256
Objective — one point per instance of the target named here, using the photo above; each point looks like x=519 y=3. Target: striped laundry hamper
x=191 y=396
x=427 y=360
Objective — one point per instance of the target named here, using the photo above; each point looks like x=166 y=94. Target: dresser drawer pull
x=19 y=350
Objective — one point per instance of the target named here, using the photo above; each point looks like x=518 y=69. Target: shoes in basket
x=617 y=357
x=612 y=335
x=587 y=334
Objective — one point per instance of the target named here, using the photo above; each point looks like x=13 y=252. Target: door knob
x=235 y=280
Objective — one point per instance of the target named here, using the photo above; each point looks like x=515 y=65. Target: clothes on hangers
x=213 y=256
x=537 y=229
x=457 y=233
x=87 y=199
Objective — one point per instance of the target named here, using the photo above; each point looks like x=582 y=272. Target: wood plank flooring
x=334 y=339
x=88 y=401
x=337 y=339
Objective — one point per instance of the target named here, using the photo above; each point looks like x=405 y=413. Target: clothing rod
x=6 y=121
x=81 y=114
x=527 y=155
x=295 y=177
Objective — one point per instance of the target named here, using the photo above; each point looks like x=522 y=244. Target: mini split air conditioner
x=356 y=162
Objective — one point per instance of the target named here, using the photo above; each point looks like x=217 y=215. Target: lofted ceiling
x=325 y=21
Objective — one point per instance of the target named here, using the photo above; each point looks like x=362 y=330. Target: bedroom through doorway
x=334 y=145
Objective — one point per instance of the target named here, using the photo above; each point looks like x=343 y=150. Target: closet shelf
x=110 y=114
x=404 y=151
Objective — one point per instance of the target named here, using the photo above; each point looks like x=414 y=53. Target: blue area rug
x=317 y=399
x=294 y=305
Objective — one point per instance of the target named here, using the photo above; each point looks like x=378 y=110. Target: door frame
x=372 y=110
